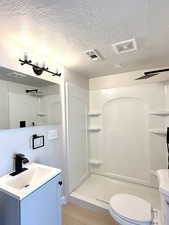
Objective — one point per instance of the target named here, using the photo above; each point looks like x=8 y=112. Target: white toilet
x=130 y=210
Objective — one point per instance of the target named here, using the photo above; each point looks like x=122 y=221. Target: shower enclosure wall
x=126 y=138
x=130 y=144
x=77 y=137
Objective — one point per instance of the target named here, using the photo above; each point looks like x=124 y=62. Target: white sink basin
x=23 y=184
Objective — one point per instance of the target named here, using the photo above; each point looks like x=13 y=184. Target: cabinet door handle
x=167 y=203
x=60 y=183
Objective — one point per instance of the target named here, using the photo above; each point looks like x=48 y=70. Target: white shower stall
x=77 y=136
x=116 y=141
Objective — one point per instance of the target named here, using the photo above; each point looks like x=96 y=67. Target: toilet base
x=156 y=218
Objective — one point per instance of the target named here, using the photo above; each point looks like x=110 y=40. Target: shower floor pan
x=96 y=191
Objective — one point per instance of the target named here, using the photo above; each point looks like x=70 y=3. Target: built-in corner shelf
x=94 y=129
x=95 y=162
x=158 y=131
x=94 y=114
x=153 y=173
x=160 y=113
x=41 y=114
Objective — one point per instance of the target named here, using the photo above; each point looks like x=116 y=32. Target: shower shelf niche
x=94 y=114
x=41 y=114
x=158 y=131
x=94 y=129
x=95 y=162
x=160 y=113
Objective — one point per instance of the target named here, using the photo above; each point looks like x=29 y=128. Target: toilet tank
x=163 y=180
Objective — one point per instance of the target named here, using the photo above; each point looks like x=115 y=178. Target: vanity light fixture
x=38 y=70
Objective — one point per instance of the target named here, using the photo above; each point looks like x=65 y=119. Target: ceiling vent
x=93 y=54
x=125 y=46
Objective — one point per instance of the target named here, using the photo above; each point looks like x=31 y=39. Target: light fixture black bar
x=31 y=90
x=156 y=71
x=29 y=62
x=152 y=73
x=146 y=76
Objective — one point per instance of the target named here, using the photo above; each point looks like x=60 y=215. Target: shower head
x=153 y=73
x=35 y=92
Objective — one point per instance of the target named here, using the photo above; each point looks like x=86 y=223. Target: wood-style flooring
x=75 y=215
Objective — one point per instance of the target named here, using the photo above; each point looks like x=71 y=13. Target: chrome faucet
x=20 y=159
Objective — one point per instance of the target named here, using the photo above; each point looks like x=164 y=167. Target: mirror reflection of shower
x=27 y=101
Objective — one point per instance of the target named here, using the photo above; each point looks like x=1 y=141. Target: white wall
x=22 y=107
x=125 y=146
x=19 y=141
x=77 y=137
x=81 y=82
x=14 y=97
x=16 y=105
x=124 y=79
x=51 y=105
x=75 y=78
x=4 y=109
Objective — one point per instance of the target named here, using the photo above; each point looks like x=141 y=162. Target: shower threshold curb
x=97 y=205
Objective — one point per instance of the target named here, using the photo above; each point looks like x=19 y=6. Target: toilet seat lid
x=131 y=208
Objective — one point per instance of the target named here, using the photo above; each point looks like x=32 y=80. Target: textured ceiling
x=67 y=28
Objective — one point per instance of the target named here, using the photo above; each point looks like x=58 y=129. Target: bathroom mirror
x=27 y=101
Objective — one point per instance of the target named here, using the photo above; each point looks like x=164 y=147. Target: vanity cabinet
x=41 y=207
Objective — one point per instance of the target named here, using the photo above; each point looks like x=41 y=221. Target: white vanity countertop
x=25 y=183
x=163 y=179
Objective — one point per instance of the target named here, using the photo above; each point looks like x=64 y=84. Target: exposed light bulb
x=43 y=64
x=57 y=70
x=25 y=56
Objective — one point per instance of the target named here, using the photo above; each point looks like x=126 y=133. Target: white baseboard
x=63 y=200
